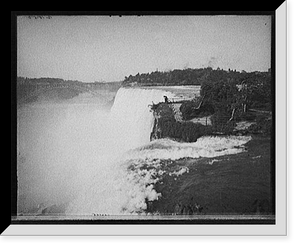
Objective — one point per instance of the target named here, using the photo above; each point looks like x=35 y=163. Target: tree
x=224 y=97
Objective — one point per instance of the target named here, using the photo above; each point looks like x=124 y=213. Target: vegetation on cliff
x=166 y=126
x=225 y=100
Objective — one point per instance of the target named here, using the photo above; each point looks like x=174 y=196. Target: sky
x=108 y=48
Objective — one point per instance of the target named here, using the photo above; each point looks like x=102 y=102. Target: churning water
x=81 y=158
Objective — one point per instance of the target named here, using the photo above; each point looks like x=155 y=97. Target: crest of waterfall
x=130 y=117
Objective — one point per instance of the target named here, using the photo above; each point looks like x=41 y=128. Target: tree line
x=25 y=85
x=191 y=76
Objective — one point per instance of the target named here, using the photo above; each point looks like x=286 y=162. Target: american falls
x=82 y=158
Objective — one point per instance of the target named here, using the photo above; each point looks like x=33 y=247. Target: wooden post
x=233 y=111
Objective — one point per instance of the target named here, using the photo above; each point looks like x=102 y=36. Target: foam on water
x=116 y=191
x=206 y=146
x=85 y=160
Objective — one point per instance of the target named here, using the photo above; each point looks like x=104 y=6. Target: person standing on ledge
x=166 y=99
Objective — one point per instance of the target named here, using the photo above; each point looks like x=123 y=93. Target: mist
x=81 y=156
x=70 y=152
x=58 y=145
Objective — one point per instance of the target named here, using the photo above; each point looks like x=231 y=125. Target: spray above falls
x=82 y=159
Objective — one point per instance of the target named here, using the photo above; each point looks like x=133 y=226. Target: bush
x=255 y=128
x=246 y=116
x=206 y=109
x=187 y=109
x=261 y=105
x=186 y=131
x=262 y=125
x=220 y=122
x=165 y=112
x=189 y=112
x=220 y=118
x=265 y=124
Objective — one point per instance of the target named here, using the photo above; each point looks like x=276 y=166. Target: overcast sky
x=96 y=48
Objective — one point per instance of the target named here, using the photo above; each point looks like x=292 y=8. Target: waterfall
x=112 y=189
x=80 y=158
x=130 y=117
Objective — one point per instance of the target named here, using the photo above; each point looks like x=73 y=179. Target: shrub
x=220 y=118
x=189 y=112
x=182 y=131
x=246 y=116
x=206 y=109
x=187 y=109
x=254 y=128
x=220 y=122
x=265 y=124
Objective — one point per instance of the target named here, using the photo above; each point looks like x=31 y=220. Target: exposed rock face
x=168 y=123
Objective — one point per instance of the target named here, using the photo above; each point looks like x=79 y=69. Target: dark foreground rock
x=233 y=184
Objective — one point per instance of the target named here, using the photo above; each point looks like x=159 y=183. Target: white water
x=112 y=189
x=130 y=116
x=74 y=156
